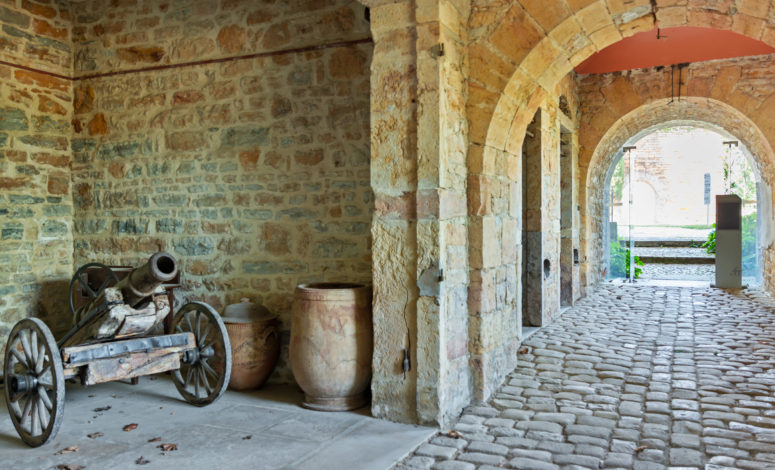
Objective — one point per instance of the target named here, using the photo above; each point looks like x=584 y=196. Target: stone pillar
x=419 y=247
x=394 y=227
x=443 y=387
x=550 y=214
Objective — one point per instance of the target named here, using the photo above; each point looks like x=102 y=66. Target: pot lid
x=246 y=312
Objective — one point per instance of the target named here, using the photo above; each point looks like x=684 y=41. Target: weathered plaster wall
x=36 y=250
x=734 y=94
x=253 y=172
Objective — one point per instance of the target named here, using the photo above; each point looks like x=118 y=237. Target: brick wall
x=253 y=172
x=35 y=203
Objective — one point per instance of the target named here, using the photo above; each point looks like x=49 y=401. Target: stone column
x=443 y=387
x=394 y=227
x=419 y=246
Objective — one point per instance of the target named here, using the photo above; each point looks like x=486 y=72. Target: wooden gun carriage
x=118 y=334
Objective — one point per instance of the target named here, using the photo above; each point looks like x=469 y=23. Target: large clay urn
x=255 y=344
x=331 y=345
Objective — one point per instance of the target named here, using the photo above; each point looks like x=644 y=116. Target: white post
x=629 y=210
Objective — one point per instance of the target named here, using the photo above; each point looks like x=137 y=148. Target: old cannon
x=117 y=334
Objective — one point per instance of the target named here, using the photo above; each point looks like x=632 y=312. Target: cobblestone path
x=632 y=377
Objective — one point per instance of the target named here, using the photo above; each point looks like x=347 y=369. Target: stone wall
x=36 y=241
x=253 y=170
x=495 y=188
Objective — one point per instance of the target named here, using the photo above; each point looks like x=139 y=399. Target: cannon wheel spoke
x=32 y=356
x=80 y=283
x=204 y=381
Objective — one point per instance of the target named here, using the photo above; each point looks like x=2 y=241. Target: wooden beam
x=129 y=366
x=74 y=356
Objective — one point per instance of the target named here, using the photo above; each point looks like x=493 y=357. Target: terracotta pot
x=331 y=345
x=255 y=344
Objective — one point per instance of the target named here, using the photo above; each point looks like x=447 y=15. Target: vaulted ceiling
x=672 y=46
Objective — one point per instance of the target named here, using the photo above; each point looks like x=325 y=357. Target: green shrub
x=620 y=261
x=710 y=244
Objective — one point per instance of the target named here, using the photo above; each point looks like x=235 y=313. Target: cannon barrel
x=143 y=281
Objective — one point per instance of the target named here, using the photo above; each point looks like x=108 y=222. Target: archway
x=520 y=53
x=454 y=87
x=697 y=112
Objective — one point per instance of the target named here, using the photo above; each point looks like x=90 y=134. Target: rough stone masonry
x=271 y=142
x=254 y=172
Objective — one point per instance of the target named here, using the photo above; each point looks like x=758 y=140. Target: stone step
x=676 y=259
x=678 y=243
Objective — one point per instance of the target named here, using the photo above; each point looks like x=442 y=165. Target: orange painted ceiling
x=675 y=46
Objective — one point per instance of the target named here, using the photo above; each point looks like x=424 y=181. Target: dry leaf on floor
x=69 y=466
x=94 y=435
x=638 y=449
x=167 y=447
x=454 y=434
x=142 y=461
x=102 y=408
x=67 y=450
x=155 y=439
x=130 y=427
x=247 y=437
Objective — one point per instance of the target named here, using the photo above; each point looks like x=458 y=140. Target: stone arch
x=701 y=112
x=472 y=74
x=519 y=52
x=555 y=37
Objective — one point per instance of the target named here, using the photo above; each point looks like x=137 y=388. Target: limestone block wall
x=36 y=236
x=555 y=121
x=252 y=167
x=495 y=186
x=735 y=95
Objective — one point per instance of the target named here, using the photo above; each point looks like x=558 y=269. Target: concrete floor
x=266 y=429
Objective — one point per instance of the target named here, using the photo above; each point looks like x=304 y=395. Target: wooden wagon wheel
x=80 y=283
x=204 y=372
x=34 y=382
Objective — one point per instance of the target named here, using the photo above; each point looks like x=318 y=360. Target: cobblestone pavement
x=633 y=378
